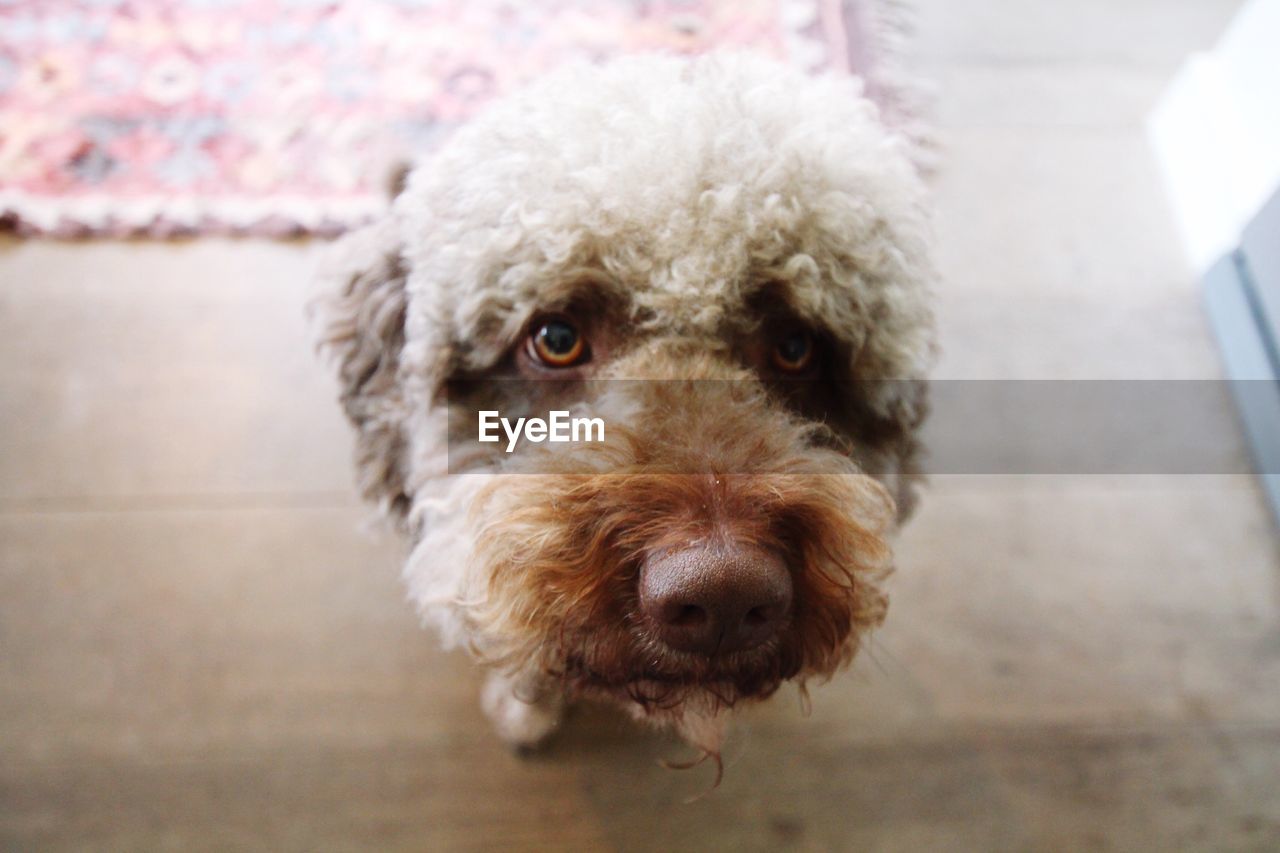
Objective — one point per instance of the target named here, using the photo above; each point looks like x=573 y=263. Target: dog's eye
x=794 y=353
x=557 y=343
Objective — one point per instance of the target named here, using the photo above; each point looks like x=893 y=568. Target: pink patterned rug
x=281 y=116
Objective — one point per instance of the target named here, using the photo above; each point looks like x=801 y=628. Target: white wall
x=1216 y=133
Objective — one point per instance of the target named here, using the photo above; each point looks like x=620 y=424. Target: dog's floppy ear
x=886 y=441
x=361 y=318
x=908 y=412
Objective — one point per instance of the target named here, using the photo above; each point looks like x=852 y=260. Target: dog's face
x=725 y=262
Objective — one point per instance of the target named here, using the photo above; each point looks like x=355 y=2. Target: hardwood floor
x=202 y=646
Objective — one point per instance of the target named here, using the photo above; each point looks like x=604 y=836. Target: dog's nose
x=715 y=598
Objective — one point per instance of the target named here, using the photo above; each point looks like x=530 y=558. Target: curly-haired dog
x=726 y=259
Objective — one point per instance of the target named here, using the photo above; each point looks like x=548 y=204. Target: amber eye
x=794 y=353
x=557 y=343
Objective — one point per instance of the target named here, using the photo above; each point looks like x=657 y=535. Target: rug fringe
x=28 y=214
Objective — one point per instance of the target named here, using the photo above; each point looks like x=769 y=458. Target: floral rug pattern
x=281 y=116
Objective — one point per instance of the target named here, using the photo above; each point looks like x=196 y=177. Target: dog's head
x=726 y=262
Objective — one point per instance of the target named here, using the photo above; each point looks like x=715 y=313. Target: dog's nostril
x=688 y=616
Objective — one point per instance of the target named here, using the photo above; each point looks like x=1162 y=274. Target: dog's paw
x=523 y=712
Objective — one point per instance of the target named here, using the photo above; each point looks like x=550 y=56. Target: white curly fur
x=686 y=182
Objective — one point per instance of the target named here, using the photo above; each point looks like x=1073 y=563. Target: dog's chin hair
x=655 y=685
x=629 y=666
x=699 y=713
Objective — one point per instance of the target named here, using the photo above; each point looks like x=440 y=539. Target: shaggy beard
x=563 y=555
x=537 y=571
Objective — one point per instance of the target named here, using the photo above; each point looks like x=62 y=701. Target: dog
x=728 y=262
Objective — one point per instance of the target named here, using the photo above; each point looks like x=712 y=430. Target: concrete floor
x=200 y=648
